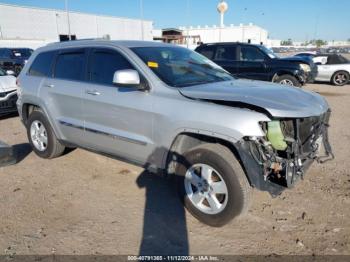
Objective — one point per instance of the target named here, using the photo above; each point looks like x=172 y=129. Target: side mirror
x=127 y=77
x=10 y=72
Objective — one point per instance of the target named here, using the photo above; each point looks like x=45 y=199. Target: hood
x=7 y=83
x=278 y=100
x=297 y=59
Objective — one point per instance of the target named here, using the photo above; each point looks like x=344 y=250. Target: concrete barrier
x=6 y=155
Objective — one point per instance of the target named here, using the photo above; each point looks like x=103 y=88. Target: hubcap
x=287 y=82
x=206 y=189
x=340 y=79
x=38 y=135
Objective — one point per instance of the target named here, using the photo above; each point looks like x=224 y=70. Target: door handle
x=92 y=92
x=49 y=85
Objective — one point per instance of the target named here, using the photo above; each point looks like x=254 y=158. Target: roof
x=93 y=42
x=229 y=43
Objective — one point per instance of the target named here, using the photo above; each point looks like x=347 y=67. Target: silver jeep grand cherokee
x=172 y=110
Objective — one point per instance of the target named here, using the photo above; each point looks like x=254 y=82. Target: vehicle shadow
x=21 y=151
x=164 y=224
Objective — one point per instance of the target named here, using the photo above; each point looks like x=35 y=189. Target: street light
x=141 y=15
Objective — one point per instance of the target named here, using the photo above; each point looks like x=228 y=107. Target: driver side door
x=118 y=120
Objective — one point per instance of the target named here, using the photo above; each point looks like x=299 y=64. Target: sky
x=299 y=20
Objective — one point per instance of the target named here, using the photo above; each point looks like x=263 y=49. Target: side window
x=42 y=64
x=249 y=53
x=207 y=51
x=226 y=53
x=70 y=66
x=104 y=63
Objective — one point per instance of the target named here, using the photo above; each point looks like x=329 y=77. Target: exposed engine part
x=275 y=135
x=289 y=147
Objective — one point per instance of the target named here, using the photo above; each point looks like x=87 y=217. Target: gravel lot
x=84 y=203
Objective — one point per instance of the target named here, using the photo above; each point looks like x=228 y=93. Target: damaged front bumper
x=270 y=168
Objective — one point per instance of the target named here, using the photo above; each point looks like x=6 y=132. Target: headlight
x=305 y=67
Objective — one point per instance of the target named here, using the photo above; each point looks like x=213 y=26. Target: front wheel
x=341 y=78
x=212 y=184
x=288 y=80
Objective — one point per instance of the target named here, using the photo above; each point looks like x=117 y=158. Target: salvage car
x=14 y=58
x=260 y=63
x=332 y=68
x=173 y=111
x=8 y=92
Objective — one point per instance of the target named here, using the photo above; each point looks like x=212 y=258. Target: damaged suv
x=175 y=112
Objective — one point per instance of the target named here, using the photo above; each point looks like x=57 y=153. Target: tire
x=288 y=80
x=225 y=167
x=340 y=78
x=52 y=148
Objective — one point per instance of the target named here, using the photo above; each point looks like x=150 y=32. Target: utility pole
x=68 y=21
x=141 y=16
x=188 y=22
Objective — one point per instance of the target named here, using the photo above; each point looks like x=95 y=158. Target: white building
x=34 y=27
x=242 y=33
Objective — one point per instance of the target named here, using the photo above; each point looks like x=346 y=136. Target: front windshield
x=2 y=72
x=181 y=67
x=268 y=51
x=22 y=52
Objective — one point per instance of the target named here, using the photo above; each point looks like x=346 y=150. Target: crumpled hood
x=7 y=83
x=279 y=100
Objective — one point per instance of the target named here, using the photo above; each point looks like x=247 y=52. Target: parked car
x=332 y=68
x=14 y=58
x=8 y=93
x=173 y=111
x=259 y=63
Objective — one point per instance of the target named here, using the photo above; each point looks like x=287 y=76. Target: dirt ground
x=84 y=203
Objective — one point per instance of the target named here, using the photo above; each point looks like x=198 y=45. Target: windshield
x=181 y=67
x=268 y=51
x=2 y=72
x=22 y=52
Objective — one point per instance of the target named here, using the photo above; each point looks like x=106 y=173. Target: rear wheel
x=212 y=184
x=41 y=136
x=288 y=80
x=340 y=78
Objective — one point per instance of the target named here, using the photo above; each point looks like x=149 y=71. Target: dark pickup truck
x=260 y=63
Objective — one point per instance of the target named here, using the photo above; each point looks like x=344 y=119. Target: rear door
x=63 y=92
x=118 y=120
x=252 y=63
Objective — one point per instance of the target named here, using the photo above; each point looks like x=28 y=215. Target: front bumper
x=274 y=171
x=8 y=102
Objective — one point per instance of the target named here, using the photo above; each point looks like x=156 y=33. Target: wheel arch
x=28 y=107
x=338 y=71
x=185 y=140
x=284 y=72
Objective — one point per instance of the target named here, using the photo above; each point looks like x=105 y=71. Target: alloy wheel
x=206 y=189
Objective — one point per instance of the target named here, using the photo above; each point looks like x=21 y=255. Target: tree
x=287 y=42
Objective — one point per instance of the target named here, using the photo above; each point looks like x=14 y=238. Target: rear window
x=70 y=66
x=42 y=64
x=207 y=51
